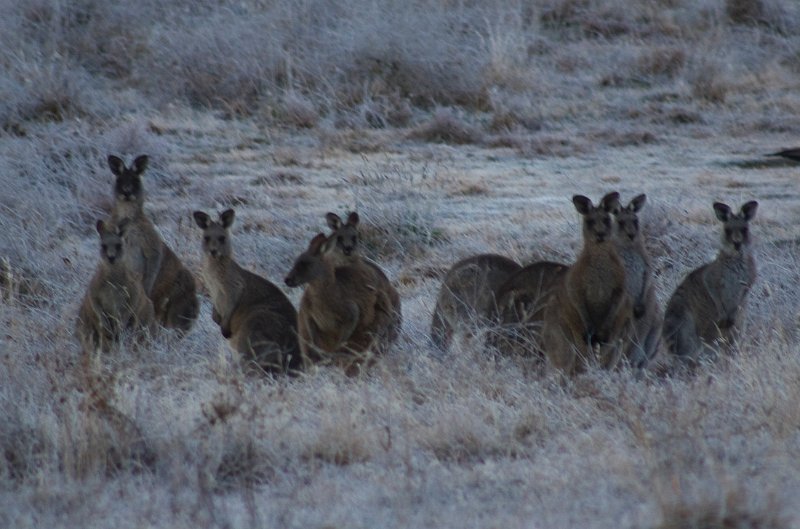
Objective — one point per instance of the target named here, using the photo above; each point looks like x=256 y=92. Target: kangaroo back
x=705 y=310
x=521 y=302
x=467 y=297
x=251 y=311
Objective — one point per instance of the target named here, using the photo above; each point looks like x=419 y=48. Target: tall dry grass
x=454 y=128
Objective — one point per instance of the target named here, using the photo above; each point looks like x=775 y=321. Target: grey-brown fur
x=588 y=320
x=338 y=321
x=252 y=312
x=347 y=253
x=167 y=282
x=521 y=302
x=647 y=316
x=115 y=300
x=706 y=309
x=467 y=299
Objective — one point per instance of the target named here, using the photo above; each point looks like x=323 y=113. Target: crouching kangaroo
x=706 y=308
x=647 y=316
x=467 y=297
x=588 y=318
x=253 y=313
x=338 y=321
x=115 y=300
x=166 y=281
x=345 y=233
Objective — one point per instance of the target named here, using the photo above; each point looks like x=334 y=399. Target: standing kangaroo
x=706 y=308
x=115 y=300
x=346 y=236
x=588 y=319
x=647 y=316
x=467 y=297
x=166 y=281
x=252 y=312
x=337 y=320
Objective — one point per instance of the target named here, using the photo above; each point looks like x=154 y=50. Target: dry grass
x=462 y=131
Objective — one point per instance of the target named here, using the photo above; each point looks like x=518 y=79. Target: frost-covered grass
x=454 y=128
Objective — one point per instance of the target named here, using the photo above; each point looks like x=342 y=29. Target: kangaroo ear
x=637 y=203
x=140 y=164
x=582 y=204
x=333 y=220
x=100 y=226
x=226 y=218
x=202 y=219
x=315 y=246
x=352 y=219
x=116 y=164
x=723 y=211
x=610 y=203
x=749 y=210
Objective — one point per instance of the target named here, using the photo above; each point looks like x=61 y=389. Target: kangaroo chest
x=731 y=279
x=636 y=269
x=224 y=285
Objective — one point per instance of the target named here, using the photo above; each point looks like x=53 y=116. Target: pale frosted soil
x=426 y=439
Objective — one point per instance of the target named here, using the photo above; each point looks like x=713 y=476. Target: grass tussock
x=453 y=128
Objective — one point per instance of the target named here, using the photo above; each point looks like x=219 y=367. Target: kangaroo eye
x=340 y=239
x=206 y=239
x=727 y=232
x=118 y=247
x=104 y=247
x=590 y=222
x=222 y=240
x=744 y=231
x=607 y=222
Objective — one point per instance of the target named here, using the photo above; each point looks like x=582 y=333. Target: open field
x=453 y=128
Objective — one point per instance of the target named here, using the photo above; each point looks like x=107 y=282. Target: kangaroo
x=115 y=300
x=521 y=302
x=589 y=317
x=466 y=298
x=346 y=236
x=647 y=316
x=253 y=313
x=166 y=281
x=706 y=308
x=337 y=320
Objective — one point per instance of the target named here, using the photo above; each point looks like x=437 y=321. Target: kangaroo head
x=128 y=185
x=344 y=233
x=311 y=263
x=597 y=225
x=628 y=218
x=735 y=233
x=216 y=239
x=111 y=244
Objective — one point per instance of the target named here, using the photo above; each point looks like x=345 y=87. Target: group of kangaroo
x=602 y=310
x=349 y=310
x=597 y=311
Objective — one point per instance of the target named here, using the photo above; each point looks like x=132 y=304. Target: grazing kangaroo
x=588 y=320
x=346 y=236
x=337 y=320
x=252 y=312
x=467 y=298
x=166 y=281
x=115 y=300
x=647 y=316
x=521 y=302
x=706 y=308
